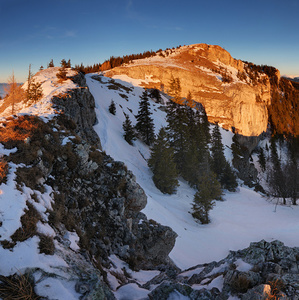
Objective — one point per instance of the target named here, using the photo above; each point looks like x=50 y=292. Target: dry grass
x=277 y=286
x=16 y=130
x=3 y=170
x=28 y=221
x=46 y=244
x=241 y=284
x=17 y=287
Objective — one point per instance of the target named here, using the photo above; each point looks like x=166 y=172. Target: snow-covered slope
x=244 y=216
x=51 y=87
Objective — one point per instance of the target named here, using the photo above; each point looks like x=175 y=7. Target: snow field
x=243 y=217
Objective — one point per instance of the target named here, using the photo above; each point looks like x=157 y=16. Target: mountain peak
x=232 y=93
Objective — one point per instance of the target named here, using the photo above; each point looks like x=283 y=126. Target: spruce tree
x=161 y=162
x=208 y=190
x=112 y=108
x=62 y=74
x=178 y=131
x=228 y=179
x=262 y=159
x=29 y=79
x=36 y=91
x=145 y=124
x=217 y=151
x=63 y=63
x=175 y=89
x=51 y=64
x=277 y=182
x=129 y=134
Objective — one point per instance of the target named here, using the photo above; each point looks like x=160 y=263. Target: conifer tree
x=145 y=124
x=217 y=151
x=129 y=134
x=29 y=78
x=189 y=99
x=205 y=125
x=156 y=95
x=51 y=64
x=178 y=131
x=277 y=182
x=228 y=179
x=62 y=74
x=161 y=162
x=220 y=166
x=208 y=190
x=36 y=91
x=68 y=64
x=262 y=159
x=175 y=89
x=112 y=108
x=63 y=63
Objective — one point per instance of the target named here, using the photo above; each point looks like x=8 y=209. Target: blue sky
x=90 y=31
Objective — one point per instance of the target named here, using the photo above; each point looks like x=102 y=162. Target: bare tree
x=14 y=92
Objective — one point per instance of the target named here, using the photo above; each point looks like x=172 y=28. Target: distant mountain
x=2 y=85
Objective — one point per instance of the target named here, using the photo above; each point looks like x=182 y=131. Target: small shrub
x=112 y=108
x=241 y=284
x=61 y=75
x=96 y=156
x=17 y=287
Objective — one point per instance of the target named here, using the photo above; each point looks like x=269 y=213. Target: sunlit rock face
x=232 y=95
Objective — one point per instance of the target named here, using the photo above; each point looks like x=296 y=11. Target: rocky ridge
x=94 y=199
x=231 y=93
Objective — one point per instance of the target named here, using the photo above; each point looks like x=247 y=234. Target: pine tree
x=112 y=108
x=178 y=131
x=36 y=91
x=228 y=179
x=277 y=180
x=175 y=89
x=205 y=124
x=161 y=162
x=189 y=99
x=62 y=74
x=51 y=64
x=129 y=134
x=208 y=190
x=156 y=95
x=29 y=78
x=262 y=159
x=63 y=63
x=68 y=64
x=145 y=124
x=217 y=151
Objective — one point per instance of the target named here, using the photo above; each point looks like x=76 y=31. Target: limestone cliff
x=232 y=94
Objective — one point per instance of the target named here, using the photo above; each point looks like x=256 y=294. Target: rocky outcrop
x=78 y=105
x=264 y=270
x=230 y=93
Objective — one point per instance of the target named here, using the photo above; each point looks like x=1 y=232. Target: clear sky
x=90 y=31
